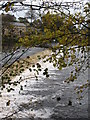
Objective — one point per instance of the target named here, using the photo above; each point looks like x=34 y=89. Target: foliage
x=8 y=18
x=70 y=31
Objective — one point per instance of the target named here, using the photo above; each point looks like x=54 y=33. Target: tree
x=7 y=30
x=70 y=31
x=8 y=18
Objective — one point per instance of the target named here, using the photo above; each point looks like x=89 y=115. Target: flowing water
x=5 y=56
x=45 y=98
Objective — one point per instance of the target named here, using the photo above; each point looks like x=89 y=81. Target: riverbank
x=24 y=63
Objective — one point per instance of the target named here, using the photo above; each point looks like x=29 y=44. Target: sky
x=21 y=13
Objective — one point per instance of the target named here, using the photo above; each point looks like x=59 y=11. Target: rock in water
x=58 y=98
x=70 y=103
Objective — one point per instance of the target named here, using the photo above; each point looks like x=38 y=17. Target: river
x=5 y=56
x=46 y=98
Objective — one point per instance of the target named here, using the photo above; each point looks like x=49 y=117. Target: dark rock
x=58 y=98
x=80 y=103
x=8 y=103
x=70 y=103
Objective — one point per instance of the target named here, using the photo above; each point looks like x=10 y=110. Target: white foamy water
x=16 y=98
x=38 y=97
